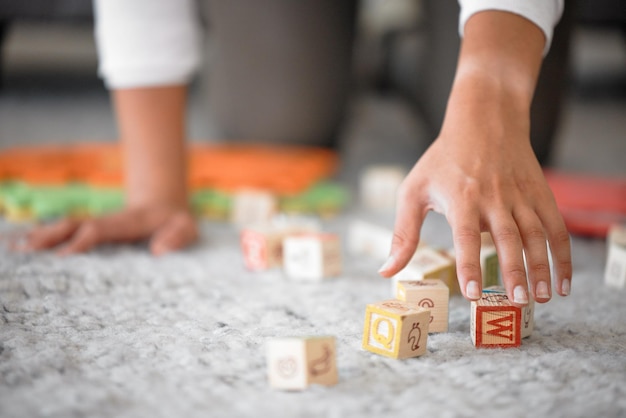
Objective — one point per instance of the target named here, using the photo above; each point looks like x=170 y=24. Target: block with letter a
x=396 y=329
x=495 y=321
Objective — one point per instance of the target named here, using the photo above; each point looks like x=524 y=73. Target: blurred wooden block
x=489 y=261
x=615 y=270
x=294 y=363
x=396 y=329
x=262 y=247
x=453 y=283
x=428 y=263
x=312 y=256
x=262 y=244
x=379 y=186
x=495 y=322
x=368 y=239
x=252 y=206
x=431 y=294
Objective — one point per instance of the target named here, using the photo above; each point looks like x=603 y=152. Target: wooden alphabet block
x=312 y=256
x=428 y=263
x=368 y=239
x=489 y=261
x=527 y=324
x=615 y=270
x=295 y=363
x=379 y=186
x=262 y=245
x=453 y=283
x=495 y=322
x=431 y=294
x=396 y=329
x=253 y=206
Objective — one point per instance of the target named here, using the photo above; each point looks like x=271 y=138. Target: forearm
x=152 y=128
x=498 y=67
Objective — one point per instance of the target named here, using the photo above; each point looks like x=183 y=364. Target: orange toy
x=283 y=170
x=589 y=204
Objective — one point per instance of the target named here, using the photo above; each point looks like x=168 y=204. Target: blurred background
x=404 y=55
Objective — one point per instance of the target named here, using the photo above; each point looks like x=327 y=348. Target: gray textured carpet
x=119 y=333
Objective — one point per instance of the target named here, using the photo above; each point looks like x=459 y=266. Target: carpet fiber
x=119 y=333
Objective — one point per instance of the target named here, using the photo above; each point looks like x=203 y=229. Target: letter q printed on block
x=495 y=322
x=396 y=329
x=294 y=363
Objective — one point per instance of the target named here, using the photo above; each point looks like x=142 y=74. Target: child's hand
x=482 y=187
x=481 y=172
x=151 y=121
x=167 y=229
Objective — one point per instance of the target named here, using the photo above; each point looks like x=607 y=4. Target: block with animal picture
x=396 y=329
x=294 y=363
x=495 y=321
x=615 y=270
x=312 y=256
x=432 y=294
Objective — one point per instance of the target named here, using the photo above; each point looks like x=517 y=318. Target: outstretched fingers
x=410 y=214
x=560 y=246
x=536 y=251
x=48 y=236
x=178 y=232
x=466 y=237
x=506 y=237
x=118 y=227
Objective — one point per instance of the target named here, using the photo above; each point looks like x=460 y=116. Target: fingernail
x=565 y=287
x=390 y=261
x=542 y=290
x=519 y=295
x=471 y=290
